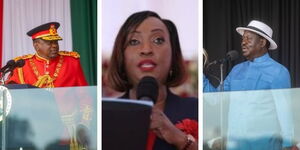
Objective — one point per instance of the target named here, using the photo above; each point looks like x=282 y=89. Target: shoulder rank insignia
x=66 y=53
x=24 y=57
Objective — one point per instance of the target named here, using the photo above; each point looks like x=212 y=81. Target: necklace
x=46 y=78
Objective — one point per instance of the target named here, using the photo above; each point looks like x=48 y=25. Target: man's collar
x=262 y=58
x=40 y=58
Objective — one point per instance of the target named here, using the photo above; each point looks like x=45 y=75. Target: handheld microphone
x=8 y=65
x=230 y=56
x=147 y=89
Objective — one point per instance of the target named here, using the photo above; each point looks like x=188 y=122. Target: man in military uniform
x=49 y=67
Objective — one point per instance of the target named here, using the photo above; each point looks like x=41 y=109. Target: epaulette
x=66 y=53
x=24 y=57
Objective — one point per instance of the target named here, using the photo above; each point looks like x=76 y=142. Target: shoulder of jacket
x=72 y=54
x=24 y=57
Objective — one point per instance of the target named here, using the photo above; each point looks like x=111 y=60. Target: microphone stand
x=222 y=98
x=1 y=79
x=2 y=76
x=222 y=78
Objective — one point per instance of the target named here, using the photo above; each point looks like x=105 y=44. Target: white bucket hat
x=260 y=28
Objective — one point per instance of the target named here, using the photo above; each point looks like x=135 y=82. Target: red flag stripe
x=1 y=30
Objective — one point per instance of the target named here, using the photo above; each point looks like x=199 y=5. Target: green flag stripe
x=84 y=35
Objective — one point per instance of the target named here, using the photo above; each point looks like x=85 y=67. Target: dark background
x=221 y=17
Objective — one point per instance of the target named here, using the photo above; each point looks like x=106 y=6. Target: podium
x=35 y=120
x=33 y=114
x=125 y=124
x=19 y=86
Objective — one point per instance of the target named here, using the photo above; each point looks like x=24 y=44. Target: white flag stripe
x=20 y=16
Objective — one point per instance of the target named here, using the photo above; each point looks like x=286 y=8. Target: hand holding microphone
x=160 y=124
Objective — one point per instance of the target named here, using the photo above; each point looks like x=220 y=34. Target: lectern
x=125 y=124
x=33 y=118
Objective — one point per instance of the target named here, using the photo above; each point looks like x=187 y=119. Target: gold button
x=47 y=72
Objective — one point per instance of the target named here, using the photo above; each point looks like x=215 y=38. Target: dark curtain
x=84 y=32
x=221 y=17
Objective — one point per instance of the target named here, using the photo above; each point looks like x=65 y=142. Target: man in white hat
x=257 y=120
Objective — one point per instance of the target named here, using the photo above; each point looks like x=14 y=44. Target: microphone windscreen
x=147 y=88
x=10 y=62
x=232 y=55
x=20 y=63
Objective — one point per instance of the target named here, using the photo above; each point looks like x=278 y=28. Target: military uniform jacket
x=63 y=71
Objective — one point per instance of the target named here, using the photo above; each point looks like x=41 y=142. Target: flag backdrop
x=78 y=28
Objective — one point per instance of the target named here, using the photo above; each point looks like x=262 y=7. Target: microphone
x=19 y=63
x=230 y=56
x=8 y=65
x=147 y=89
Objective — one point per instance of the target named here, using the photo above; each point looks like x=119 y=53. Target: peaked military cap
x=46 y=31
